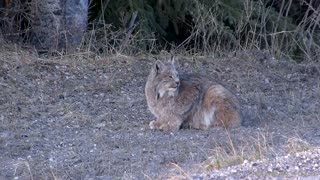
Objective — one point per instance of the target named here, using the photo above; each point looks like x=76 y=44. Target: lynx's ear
x=159 y=66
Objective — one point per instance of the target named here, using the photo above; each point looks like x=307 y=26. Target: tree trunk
x=58 y=24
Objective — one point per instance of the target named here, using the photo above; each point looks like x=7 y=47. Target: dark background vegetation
x=284 y=28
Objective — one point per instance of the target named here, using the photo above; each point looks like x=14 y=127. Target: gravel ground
x=73 y=118
x=302 y=165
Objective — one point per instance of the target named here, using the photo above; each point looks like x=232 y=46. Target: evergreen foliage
x=211 y=25
x=282 y=27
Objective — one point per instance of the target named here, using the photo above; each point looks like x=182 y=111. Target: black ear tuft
x=172 y=60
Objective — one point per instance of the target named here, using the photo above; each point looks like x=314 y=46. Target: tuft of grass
x=181 y=173
x=295 y=145
x=258 y=147
x=233 y=153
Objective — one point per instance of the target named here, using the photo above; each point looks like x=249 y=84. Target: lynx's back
x=188 y=100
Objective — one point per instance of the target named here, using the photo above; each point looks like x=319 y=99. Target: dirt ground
x=64 y=119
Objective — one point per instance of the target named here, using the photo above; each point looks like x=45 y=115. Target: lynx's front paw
x=151 y=125
x=154 y=125
x=165 y=126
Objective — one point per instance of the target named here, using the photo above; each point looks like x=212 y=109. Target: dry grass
x=296 y=144
x=102 y=40
x=234 y=153
x=275 y=34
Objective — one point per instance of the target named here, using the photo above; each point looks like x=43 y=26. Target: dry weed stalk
x=183 y=173
x=23 y=163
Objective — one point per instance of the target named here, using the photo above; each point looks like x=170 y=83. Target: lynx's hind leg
x=203 y=119
x=225 y=105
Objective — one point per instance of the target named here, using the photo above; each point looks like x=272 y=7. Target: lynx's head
x=165 y=78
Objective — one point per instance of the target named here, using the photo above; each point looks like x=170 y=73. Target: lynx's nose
x=177 y=83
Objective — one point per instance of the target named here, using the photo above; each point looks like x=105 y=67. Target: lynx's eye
x=171 y=77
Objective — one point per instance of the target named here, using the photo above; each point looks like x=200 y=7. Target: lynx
x=188 y=100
